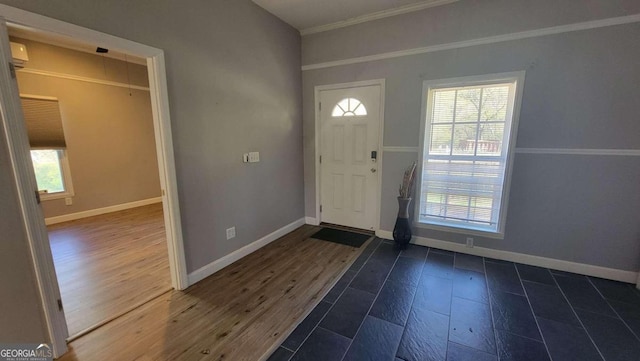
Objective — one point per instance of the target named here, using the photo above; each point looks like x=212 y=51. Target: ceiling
x=310 y=16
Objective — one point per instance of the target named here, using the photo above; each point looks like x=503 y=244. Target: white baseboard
x=552 y=263
x=99 y=211
x=223 y=262
x=312 y=221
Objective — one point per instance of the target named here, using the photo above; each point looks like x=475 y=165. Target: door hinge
x=321 y=208
x=320 y=106
x=38 y=196
x=12 y=69
x=59 y=305
x=320 y=159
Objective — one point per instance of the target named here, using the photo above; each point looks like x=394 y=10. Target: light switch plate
x=254 y=157
x=231 y=232
x=245 y=158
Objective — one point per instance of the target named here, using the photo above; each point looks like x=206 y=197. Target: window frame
x=66 y=177
x=427 y=102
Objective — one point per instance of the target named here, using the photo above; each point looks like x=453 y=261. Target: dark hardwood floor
x=240 y=313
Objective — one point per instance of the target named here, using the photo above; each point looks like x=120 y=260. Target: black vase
x=402 y=230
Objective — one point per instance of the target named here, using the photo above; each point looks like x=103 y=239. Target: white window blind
x=466 y=145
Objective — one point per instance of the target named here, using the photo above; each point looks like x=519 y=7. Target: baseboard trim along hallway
x=552 y=263
x=312 y=221
x=223 y=262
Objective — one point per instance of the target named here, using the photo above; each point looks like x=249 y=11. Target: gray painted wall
x=234 y=86
x=580 y=92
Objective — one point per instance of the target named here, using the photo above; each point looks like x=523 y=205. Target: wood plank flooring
x=240 y=313
x=109 y=264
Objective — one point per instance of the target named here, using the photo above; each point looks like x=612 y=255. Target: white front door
x=349 y=150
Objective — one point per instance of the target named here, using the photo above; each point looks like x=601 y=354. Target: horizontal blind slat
x=464 y=165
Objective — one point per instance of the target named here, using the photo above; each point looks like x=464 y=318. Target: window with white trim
x=48 y=146
x=466 y=151
x=52 y=173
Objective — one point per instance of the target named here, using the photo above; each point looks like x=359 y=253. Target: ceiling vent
x=19 y=54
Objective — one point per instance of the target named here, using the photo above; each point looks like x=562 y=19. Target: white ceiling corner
x=313 y=16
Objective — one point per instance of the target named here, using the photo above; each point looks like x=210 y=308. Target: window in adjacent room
x=50 y=166
x=469 y=132
x=48 y=146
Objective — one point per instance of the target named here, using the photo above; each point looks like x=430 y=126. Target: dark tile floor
x=427 y=304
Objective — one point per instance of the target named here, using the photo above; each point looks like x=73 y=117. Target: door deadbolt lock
x=373 y=170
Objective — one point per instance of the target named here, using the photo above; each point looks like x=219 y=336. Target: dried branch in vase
x=406 y=187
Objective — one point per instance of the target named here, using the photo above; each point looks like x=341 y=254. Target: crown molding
x=81 y=78
x=594 y=24
x=375 y=16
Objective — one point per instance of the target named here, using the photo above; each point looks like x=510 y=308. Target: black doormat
x=343 y=237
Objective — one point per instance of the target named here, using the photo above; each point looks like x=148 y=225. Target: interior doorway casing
x=23 y=172
x=317 y=145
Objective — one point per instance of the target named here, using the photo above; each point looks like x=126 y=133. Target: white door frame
x=356 y=84
x=23 y=172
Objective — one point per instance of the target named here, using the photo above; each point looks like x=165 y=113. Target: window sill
x=459 y=230
x=53 y=196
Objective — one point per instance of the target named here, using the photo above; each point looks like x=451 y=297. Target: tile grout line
x=613 y=309
x=372 y=303
x=527 y=337
x=334 y=303
x=576 y=314
x=486 y=282
x=455 y=254
x=413 y=299
x=533 y=313
x=404 y=326
x=493 y=325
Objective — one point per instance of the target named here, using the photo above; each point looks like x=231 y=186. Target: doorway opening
x=22 y=165
x=90 y=127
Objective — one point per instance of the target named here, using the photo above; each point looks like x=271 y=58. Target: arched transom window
x=349 y=107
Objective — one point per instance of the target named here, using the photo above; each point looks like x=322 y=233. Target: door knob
x=373 y=170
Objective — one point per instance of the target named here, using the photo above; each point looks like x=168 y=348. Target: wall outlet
x=231 y=232
x=254 y=157
x=470 y=242
x=68 y=201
